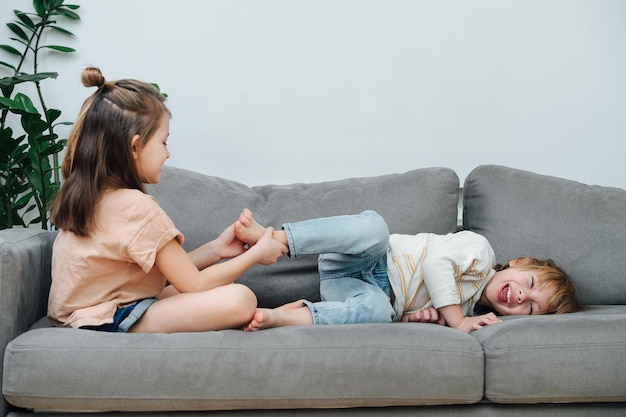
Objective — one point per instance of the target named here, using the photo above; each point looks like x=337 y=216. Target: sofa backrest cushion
x=581 y=227
x=201 y=206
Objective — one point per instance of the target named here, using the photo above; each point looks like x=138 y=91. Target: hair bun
x=92 y=77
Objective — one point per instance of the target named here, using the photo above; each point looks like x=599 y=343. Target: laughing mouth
x=505 y=294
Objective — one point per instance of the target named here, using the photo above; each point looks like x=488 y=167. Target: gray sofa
x=568 y=365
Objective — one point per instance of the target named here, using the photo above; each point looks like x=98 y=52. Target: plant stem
x=41 y=202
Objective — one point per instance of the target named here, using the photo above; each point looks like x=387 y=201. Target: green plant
x=29 y=160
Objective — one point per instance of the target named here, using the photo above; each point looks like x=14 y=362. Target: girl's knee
x=241 y=300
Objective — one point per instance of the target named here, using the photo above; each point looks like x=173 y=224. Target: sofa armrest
x=25 y=256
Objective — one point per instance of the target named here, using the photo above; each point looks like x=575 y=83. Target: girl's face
x=150 y=159
x=517 y=291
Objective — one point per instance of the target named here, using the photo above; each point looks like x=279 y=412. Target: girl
x=117 y=249
x=367 y=276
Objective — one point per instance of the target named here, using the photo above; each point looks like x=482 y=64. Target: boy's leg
x=292 y=314
x=356 y=242
x=352 y=266
x=351 y=300
x=249 y=231
x=364 y=236
x=357 y=301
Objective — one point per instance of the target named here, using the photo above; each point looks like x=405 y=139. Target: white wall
x=282 y=91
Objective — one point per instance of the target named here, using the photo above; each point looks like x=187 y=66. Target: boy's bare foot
x=247 y=229
x=287 y=315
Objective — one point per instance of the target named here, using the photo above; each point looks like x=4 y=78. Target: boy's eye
x=531 y=309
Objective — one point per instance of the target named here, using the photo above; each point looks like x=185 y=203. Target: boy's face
x=517 y=291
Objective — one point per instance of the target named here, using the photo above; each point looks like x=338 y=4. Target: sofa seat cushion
x=297 y=367
x=201 y=206
x=579 y=357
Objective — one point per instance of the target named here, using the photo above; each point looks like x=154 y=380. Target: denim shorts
x=125 y=317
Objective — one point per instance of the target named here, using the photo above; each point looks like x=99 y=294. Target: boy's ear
x=134 y=146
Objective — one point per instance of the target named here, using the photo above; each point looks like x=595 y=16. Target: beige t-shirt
x=114 y=266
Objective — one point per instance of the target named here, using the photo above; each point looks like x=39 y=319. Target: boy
x=368 y=276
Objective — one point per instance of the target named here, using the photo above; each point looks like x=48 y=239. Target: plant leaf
x=11 y=50
x=46 y=23
x=52 y=115
x=21 y=203
x=40 y=7
x=59 y=48
x=15 y=28
x=25 y=103
x=68 y=13
x=52 y=150
x=35 y=77
x=25 y=43
x=6 y=103
x=60 y=29
x=22 y=78
x=5 y=64
x=25 y=19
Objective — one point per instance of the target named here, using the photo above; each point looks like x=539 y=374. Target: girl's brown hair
x=98 y=154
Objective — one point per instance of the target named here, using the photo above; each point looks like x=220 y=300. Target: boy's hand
x=469 y=324
x=427 y=315
x=455 y=318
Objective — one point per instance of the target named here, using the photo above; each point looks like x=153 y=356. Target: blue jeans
x=125 y=317
x=352 y=263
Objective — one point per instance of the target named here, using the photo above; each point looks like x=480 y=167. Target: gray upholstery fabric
x=582 y=227
x=494 y=371
x=296 y=367
x=24 y=283
x=579 y=357
x=423 y=200
x=473 y=410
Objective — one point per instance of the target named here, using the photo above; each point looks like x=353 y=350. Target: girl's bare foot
x=247 y=229
x=287 y=315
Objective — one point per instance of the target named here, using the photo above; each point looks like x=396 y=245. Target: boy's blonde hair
x=564 y=299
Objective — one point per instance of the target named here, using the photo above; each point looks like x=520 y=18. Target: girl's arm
x=179 y=268
x=226 y=245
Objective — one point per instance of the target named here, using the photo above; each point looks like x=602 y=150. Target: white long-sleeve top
x=428 y=270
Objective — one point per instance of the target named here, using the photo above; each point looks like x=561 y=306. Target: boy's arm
x=452 y=260
x=455 y=318
x=425 y=315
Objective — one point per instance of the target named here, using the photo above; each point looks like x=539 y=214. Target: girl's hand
x=228 y=245
x=267 y=249
x=427 y=315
